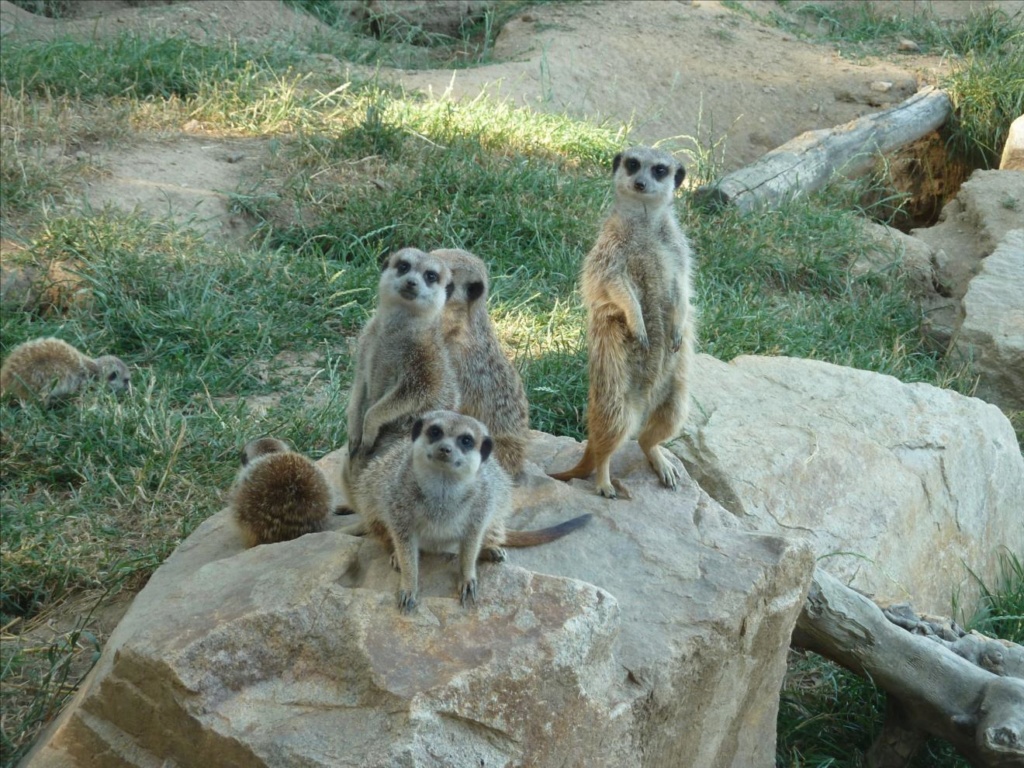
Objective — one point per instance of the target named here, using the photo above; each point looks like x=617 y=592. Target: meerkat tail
x=585 y=467
x=544 y=535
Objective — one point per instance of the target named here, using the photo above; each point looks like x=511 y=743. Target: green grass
x=97 y=492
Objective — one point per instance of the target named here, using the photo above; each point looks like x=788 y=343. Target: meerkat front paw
x=677 y=339
x=643 y=340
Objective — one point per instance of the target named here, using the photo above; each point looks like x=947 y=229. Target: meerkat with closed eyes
x=278 y=494
x=640 y=323
x=48 y=369
x=441 y=490
x=490 y=388
x=402 y=366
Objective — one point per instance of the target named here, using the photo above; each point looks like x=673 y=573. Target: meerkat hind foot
x=666 y=471
x=493 y=555
x=467 y=592
x=406 y=601
x=614 y=490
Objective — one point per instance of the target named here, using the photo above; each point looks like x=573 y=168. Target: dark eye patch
x=402 y=267
x=466 y=442
x=660 y=171
x=434 y=433
x=430 y=276
x=632 y=165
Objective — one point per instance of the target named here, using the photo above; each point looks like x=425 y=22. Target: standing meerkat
x=278 y=494
x=441 y=491
x=640 y=325
x=490 y=388
x=402 y=366
x=48 y=369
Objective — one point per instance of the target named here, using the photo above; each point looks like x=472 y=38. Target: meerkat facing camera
x=278 y=494
x=640 y=324
x=48 y=369
x=489 y=386
x=402 y=367
x=441 y=491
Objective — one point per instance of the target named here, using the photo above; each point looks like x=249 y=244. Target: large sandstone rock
x=655 y=636
x=1013 y=151
x=900 y=488
x=992 y=332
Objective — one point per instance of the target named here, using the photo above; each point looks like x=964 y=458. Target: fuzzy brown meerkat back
x=489 y=385
x=441 y=490
x=48 y=369
x=278 y=494
x=640 y=324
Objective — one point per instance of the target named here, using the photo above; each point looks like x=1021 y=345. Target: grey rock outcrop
x=656 y=635
x=992 y=332
x=899 y=488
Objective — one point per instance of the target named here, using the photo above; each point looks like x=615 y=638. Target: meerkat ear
x=449 y=290
x=680 y=175
x=245 y=459
x=475 y=290
x=486 y=446
x=416 y=429
x=616 y=162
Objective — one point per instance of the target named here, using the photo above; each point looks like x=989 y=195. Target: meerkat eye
x=434 y=433
x=402 y=267
x=466 y=442
x=112 y=376
x=632 y=165
x=430 y=276
x=660 y=171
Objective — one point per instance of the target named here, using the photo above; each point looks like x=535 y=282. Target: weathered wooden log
x=809 y=161
x=931 y=689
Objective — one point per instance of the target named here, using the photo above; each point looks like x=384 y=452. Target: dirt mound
x=205 y=20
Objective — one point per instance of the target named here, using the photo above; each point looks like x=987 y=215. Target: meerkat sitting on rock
x=48 y=369
x=490 y=388
x=402 y=366
x=278 y=495
x=640 y=325
x=442 y=490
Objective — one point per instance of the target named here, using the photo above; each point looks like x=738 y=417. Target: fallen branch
x=932 y=690
x=809 y=161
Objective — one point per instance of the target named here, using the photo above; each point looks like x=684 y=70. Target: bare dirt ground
x=667 y=68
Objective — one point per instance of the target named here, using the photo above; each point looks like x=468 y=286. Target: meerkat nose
x=639 y=186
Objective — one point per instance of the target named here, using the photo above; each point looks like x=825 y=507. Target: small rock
x=881 y=86
x=234 y=157
x=191 y=125
x=908 y=45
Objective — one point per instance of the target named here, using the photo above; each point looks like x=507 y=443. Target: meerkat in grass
x=48 y=369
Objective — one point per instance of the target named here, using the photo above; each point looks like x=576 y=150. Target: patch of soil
x=187 y=178
x=692 y=72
